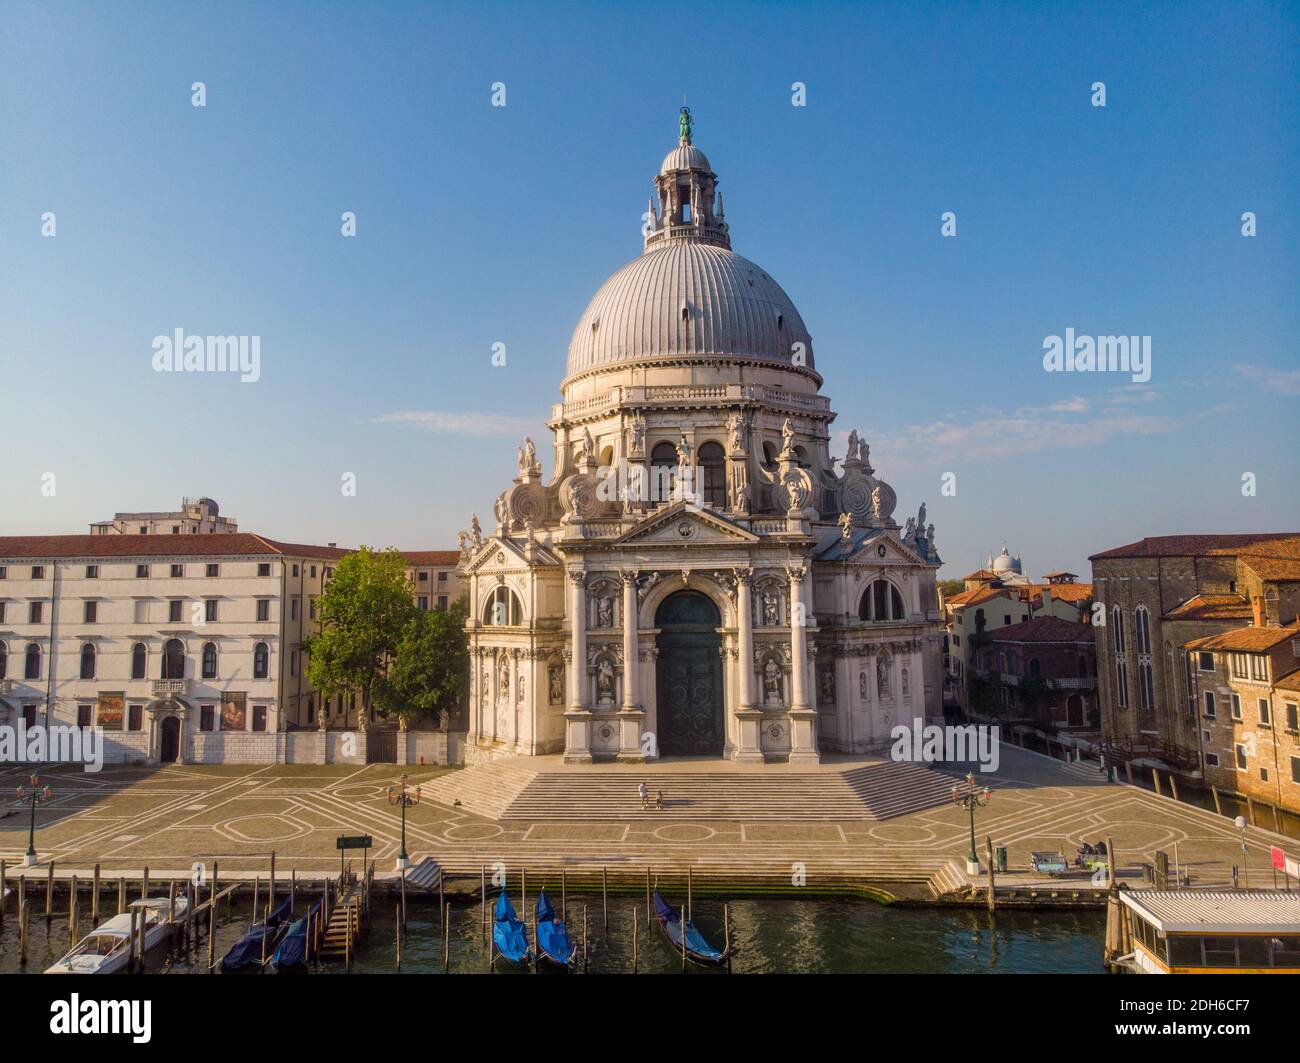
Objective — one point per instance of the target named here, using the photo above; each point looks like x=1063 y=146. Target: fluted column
x=745 y=637
x=578 y=640
x=631 y=650
x=803 y=717
x=748 y=718
x=577 y=718
x=799 y=615
x=631 y=715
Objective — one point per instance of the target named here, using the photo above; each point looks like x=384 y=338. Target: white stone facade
x=694 y=512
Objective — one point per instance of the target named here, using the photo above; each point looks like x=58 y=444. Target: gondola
x=291 y=954
x=553 y=943
x=259 y=944
x=508 y=932
x=698 y=949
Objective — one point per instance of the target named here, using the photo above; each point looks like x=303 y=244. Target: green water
x=773 y=935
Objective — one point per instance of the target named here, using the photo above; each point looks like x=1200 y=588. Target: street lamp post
x=404 y=797
x=971 y=798
x=35 y=795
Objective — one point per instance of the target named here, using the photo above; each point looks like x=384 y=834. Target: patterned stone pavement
x=168 y=818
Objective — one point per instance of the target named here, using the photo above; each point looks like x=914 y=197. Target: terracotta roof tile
x=1211 y=607
x=1042 y=629
x=1270 y=544
x=448 y=558
x=1246 y=639
x=1277 y=569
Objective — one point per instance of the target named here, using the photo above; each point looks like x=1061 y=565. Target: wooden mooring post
x=648 y=913
x=72 y=910
x=564 y=894
x=483 y=898
x=23 y=905
x=726 y=934
x=399 y=937
x=1155 y=781
x=446 y=938
x=635 y=919
x=1218 y=804
x=94 y=899
x=604 y=899
x=1173 y=785
x=584 y=939
x=121 y=895
x=49 y=893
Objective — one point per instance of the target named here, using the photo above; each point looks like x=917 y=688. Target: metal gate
x=381 y=747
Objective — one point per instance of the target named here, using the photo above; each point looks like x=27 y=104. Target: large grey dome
x=688 y=299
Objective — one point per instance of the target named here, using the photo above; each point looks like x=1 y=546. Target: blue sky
x=479 y=225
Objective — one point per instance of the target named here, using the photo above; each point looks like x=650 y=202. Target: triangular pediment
x=685 y=524
x=884 y=549
x=498 y=554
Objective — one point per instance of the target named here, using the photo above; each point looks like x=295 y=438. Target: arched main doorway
x=169 y=740
x=689 y=676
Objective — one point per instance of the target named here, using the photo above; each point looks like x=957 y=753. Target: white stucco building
x=696 y=577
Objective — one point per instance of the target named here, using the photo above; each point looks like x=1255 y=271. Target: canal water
x=773 y=935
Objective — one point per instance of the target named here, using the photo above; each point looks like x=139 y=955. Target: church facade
x=696 y=577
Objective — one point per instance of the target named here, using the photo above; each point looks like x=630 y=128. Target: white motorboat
x=107 y=948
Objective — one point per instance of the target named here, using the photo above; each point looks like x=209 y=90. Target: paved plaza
x=838 y=822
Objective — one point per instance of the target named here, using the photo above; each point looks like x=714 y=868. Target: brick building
x=1041 y=672
x=1163 y=592
x=1247 y=684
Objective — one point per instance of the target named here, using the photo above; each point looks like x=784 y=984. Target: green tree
x=363 y=613
x=428 y=670
x=951 y=587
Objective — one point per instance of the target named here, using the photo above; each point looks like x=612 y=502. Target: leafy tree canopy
x=363 y=613
x=427 y=674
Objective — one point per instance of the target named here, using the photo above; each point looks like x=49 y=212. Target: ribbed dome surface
x=731 y=308
x=685 y=157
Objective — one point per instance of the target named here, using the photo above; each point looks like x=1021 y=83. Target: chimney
x=332 y=544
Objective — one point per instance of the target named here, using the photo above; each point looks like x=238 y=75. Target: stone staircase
x=486 y=789
x=877 y=791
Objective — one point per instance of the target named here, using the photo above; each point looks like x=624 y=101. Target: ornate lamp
x=404 y=797
x=971 y=798
x=36 y=795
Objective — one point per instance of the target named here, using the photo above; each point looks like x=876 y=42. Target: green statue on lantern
x=684 y=125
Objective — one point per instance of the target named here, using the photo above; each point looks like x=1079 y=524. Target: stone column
x=803 y=717
x=631 y=714
x=577 y=718
x=748 y=716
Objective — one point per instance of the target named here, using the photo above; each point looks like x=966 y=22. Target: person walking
x=643 y=791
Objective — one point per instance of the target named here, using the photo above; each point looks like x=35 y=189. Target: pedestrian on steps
x=643 y=792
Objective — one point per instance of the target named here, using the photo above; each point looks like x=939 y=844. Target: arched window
x=4 y=661
x=32 y=665
x=1142 y=627
x=88 y=661
x=261 y=661
x=209 y=660
x=881 y=602
x=173 y=660
x=663 y=472
x=712 y=485
x=502 y=609
x=139 y=658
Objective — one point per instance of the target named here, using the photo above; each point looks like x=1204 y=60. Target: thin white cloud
x=461 y=423
x=1074 y=405
x=1283 y=381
